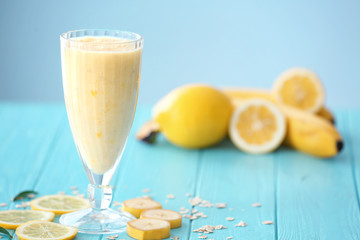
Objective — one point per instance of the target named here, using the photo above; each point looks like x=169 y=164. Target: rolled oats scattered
x=221 y=205
x=267 y=222
x=218 y=227
x=31 y=195
x=241 y=224
x=170 y=196
x=202 y=237
x=113 y=237
x=256 y=205
x=188 y=195
x=3 y=204
x=184 y=211
x=176 y=238
x=229 y=219
x=195 y=201
x=146 y=190
x=205 y=229
x=229 y=237
x=206 y=204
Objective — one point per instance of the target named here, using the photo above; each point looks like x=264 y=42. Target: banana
x=307 y=132
x=326 y=114
x=146 y=229
x=137 y=205
x=174 y=218
x=246 y=93
x=243 y=93
x=311 y=134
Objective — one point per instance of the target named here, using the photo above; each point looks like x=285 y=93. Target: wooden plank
x=66 y=170
x=352 y=136
x=162 y=168
x=63 y=169
x=229 y=176
x=316 y=198
x=27 y=132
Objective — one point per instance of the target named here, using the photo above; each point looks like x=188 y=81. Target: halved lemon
x=45 y=230
x=11 y=219
x=300 y=88
x=59 y=204
x=257 y=126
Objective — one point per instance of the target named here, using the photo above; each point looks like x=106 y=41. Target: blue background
x=224 y=43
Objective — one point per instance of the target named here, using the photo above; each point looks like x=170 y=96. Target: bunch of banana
x=310 y=126
x=245 y=93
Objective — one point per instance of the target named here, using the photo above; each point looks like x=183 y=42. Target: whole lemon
x=194 y=116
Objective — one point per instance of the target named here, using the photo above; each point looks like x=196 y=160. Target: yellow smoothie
x=101 y=82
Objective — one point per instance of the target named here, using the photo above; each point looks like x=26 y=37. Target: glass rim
x=65 y=36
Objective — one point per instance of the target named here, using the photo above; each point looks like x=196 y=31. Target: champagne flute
x=101 y=75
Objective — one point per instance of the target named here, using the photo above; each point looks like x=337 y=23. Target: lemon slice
x=45 y=230
x=300 y=88
x=257 y=126
x=59 y=204
x=11 y=219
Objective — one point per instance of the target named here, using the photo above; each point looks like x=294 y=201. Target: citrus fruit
x=194 y=116
x=11 y=219
x=59 y=204
x=257 y=126
x=36 y=230
x=300 y=88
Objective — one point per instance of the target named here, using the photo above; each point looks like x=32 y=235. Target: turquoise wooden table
x=305 y=197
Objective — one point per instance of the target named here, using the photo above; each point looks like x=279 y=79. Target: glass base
x=91 y=221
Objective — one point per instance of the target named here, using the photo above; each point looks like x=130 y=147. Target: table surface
x=305 y=197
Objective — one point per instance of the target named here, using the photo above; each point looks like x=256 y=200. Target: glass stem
x=99 y=196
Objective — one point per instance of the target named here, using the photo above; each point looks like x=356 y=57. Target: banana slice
x=137 y=205
x=174 y=218
x=144 y=229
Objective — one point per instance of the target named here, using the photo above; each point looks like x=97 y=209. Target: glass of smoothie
x=101 y=75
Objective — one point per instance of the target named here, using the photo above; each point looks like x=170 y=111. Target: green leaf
x=24 y=194
x=5 y=232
